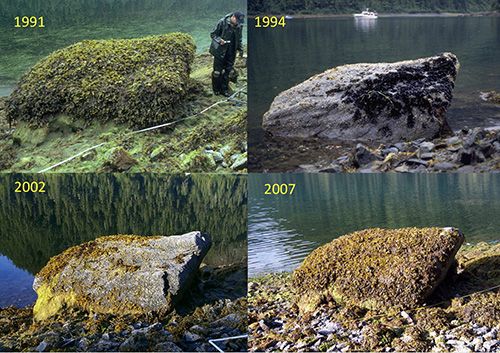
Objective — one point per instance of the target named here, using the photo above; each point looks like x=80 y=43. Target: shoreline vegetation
x=461 y=315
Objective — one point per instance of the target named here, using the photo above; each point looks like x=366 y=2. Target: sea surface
x=283 y=230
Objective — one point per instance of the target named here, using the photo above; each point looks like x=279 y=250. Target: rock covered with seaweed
x=120 y=275
x=214 y=141
x=385 y=102
x=201 y=316
x=462 y=315
x=377 y=268
x=136 y=81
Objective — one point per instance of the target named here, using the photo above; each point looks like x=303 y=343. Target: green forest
x=387 y=6
x=77 y=208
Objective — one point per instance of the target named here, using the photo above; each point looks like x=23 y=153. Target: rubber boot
x=225 y=84
x=216 y=82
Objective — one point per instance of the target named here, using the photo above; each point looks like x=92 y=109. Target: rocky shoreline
x=463 y=315
x=79 y=331
x=205 y=314
x=466 y=151
x=214 y=141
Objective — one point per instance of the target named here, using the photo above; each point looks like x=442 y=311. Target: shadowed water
x=283 y=230
x=81 y=207
x=282 y=58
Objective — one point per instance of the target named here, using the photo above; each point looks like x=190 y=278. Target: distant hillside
x=350 y=6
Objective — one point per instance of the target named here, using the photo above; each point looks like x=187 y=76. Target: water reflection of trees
x=81 y=207
x=327 y=206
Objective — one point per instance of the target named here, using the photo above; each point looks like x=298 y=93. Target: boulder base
x=378 y=268
x=383 y=102
x=122 y=274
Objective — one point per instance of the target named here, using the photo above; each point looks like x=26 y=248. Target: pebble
x=167 y=347
x=191 y=337
x=225 y=150
x=218 y=157
x=444 y=166
x=491 y=335
x=426 y=147
x=42 y=347
x=240 y=162
x=477 y=150
x=489 y=345
x=427 y=155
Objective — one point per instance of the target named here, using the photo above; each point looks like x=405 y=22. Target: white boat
x=366 y=14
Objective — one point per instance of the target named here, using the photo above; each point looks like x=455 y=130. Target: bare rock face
x=383 y=102
x=377 y=268
x=122 y=274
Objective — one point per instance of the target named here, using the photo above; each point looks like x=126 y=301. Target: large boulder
x=378 y=268
x=138 y=81
x=122 y=274
x=381 y=102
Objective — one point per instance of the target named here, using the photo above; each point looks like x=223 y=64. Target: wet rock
x=363 y=155
x=387 y=151
x=426 y=147
x=118 y=160
x=378 y=268
x=106 y=345
x=444 y=166
x=120 y=274
x=231 y=320
x=427 y=156
x=491 y=345
x=224 y=150
x=370 y=102
x=218 y=157
x=191 y=337
x=240 y=162
x=401 y=146
x=453 y=140
x=167 y=347
x=469 y=156
x=466 y=169
x=416 y=161
x=157 y=153
x=135 y=343
x=42 y=347
x=83 y=344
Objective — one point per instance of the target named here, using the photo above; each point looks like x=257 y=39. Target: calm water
x=81 y=207
x=284 y=230
x=66 y=24
x=282 y=58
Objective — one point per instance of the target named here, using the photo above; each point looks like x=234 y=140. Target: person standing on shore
x=226 y=41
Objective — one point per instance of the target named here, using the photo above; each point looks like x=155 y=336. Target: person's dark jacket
x=224 y=30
